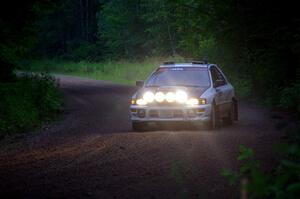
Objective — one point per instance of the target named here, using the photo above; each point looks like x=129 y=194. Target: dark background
x=85 y=154
x=257 y=40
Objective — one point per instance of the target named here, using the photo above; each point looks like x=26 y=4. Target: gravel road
x=92 y=152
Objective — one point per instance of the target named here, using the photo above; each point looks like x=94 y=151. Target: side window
x=217 y=77
x=214 y=74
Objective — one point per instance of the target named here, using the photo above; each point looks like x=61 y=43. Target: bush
x=282 y=182
x=83 y=51
x=27 y=102
x=290 y=97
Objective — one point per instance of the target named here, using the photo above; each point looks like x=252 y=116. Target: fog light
x=201 y=110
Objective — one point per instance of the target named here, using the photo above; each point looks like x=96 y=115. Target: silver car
x=196 y=92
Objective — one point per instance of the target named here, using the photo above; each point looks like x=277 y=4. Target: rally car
x=197 y=92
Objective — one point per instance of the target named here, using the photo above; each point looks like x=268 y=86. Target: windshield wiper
x=183 y=85
x=186 y=85
x=154 y=86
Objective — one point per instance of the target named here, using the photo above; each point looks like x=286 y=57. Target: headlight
x=170 y=97
x=193 y=101
x=181 y=96
x=160 y=96
x=148 y=97
x=141 y=102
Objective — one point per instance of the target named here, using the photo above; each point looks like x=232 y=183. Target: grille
x=166 y=113
x=165 y=104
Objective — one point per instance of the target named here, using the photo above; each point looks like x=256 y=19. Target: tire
x=236 y=110
x=229 y=120
x=214 y=120
x=139 y=126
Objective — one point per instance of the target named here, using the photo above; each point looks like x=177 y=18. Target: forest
x=257 y=41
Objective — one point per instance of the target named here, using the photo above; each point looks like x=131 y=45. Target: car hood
x=191 y=91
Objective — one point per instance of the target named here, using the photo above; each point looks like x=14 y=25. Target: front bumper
x=174 y=113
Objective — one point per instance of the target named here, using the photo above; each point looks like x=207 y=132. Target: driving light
x=159 y=97
x=170 y=97
x=141 y=102
x=181 y=96
x=193 y=101
x=148 y=96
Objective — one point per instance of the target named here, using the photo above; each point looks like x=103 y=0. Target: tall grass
x=124 y=72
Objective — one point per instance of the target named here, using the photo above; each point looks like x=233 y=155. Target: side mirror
x=218 y=83
x=139 y=83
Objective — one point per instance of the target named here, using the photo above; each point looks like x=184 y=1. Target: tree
x=66 y=28
x=15 y=35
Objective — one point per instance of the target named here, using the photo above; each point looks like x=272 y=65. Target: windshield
x=189 y=76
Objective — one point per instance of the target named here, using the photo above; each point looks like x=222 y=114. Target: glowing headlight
x=193 y=101
x=148 y=96
x=159 y=97
x=170 y=97
x=141 y=102
x=181 y=96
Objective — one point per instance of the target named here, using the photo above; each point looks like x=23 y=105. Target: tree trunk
x=87 y=20
x=81 y=10
x=6 y=71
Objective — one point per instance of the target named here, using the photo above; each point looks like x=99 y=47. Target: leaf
x=294 y=188
x=230 y=175
x=245 y=153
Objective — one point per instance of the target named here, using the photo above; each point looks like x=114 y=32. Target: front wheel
x=229 y=120
x=232 y=113
x=214 y=119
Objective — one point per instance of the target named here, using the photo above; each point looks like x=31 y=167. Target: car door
x=222 y=90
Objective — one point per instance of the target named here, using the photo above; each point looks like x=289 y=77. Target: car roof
x=188 y=64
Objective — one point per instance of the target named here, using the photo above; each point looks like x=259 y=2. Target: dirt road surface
x=93 y=153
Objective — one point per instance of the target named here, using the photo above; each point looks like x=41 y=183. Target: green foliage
x=67 y=29
x=137 y=28
x=83 y=51
x=119 y=71
x=283 y=182
x=231 y=176
x=16 y=35
x=290 y=97
x=27 y=102
x=122 y=71
x=259 y=56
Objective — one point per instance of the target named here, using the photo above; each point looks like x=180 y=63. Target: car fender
x=209 y=95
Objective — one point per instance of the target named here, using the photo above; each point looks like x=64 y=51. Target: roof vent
x=168 y=63
x=199 y=62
